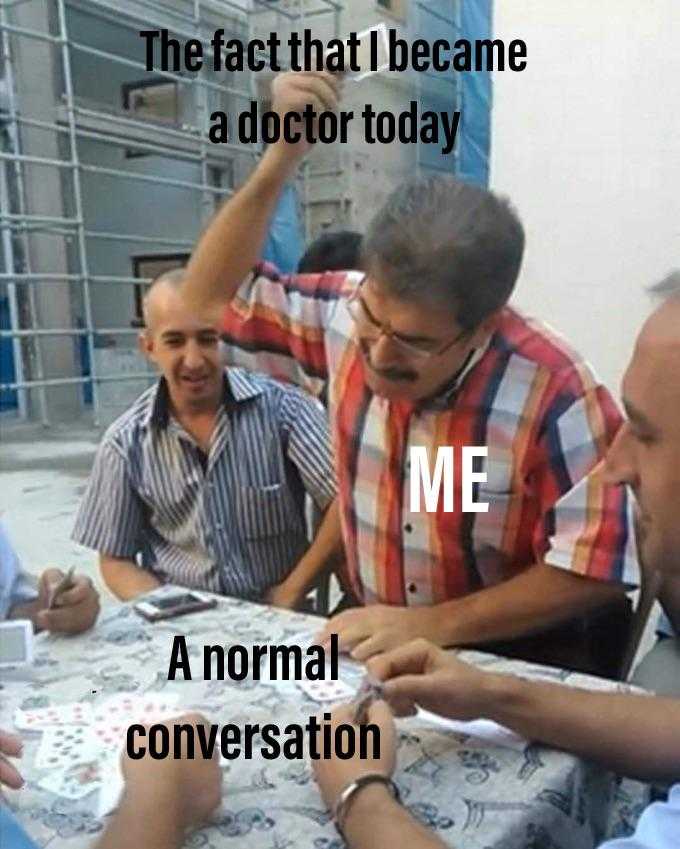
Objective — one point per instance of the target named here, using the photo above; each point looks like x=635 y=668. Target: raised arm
x=232 y=243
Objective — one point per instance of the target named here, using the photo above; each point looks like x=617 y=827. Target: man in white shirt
x=634 y=735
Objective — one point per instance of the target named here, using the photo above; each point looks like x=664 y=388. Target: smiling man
x=202 y=481
x=421 y=349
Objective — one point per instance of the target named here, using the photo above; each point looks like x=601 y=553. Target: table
x=476 y=794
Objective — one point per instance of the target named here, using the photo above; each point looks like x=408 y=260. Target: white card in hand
x=72 y=713
x=65 y=745
x=364 y=53
x=326 y=691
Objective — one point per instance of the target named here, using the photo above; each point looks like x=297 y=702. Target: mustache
x=394 y=374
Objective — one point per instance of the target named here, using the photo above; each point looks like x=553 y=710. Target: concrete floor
x=42 y=478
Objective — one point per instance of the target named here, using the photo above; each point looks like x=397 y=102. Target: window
x=150 y=266
x=155 y=99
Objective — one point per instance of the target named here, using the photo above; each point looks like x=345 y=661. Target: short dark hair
x=337 y=250
x=447 y=243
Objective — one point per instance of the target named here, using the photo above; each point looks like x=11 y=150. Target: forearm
x=232 y=243
x=632 y=735
x=125 y=579
x=532 y=601
x=376 y=821
x=670 y=600
x=153 y=824
x=325 y=548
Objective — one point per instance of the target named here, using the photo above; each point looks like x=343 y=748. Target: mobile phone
x=16 y=643
x=174 y=604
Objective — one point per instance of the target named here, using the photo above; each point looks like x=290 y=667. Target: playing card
x=74 y=782
x=364 y=53
x=113 y=717
x=326 y=691
x=112 y=788
x=65 y=745
x=72 y=713
x=129 y=708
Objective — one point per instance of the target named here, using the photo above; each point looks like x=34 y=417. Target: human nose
x=384 y=353
x=620 y=464
x=192 y=355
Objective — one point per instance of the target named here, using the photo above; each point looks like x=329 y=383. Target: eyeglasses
x=372 y=330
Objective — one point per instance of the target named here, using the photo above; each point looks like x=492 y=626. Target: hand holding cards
x=65 y=584
x=371 y=690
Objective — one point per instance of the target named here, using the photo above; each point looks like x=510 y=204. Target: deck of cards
x=81 y=744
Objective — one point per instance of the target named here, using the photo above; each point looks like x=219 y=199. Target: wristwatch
x=351 y=791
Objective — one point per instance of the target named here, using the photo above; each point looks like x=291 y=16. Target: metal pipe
x=30 y=33
x=37 y=219
x=130 y=237
x=36 y=160
x=82 y=247
x=13 y=128
x=8 y=250
x=64 y=331
x=66 y=381
x=150 y=178
x=37 y=277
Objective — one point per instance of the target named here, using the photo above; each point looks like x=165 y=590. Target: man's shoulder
x=124 y=430
x=269 y=390
x=534 y=341
x=326 y=285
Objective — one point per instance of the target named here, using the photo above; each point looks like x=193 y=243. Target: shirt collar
x=446 y=397
x=239 y=386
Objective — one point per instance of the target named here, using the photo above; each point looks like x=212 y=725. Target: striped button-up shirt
x=231 y=521
x=528 y=397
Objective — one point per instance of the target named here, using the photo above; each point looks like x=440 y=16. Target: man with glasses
x=422 y=350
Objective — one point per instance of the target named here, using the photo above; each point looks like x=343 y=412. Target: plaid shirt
x=529 y=398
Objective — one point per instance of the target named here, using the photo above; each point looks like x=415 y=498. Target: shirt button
x=412 y=588
x=219 y=526
x=408 y=527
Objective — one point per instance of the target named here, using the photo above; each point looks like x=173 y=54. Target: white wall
x=586 y=142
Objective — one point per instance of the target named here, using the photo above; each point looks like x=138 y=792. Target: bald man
x=202 y=481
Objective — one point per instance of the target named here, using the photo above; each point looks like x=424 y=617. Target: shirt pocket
x=267 y=511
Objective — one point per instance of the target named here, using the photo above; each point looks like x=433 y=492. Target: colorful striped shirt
x=232 y=521
x=527 y=396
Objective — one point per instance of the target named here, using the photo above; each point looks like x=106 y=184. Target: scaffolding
x=68 y=158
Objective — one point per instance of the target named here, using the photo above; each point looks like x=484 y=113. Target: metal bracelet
x=352 y=789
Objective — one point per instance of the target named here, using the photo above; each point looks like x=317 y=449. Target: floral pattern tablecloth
x=475 y=794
